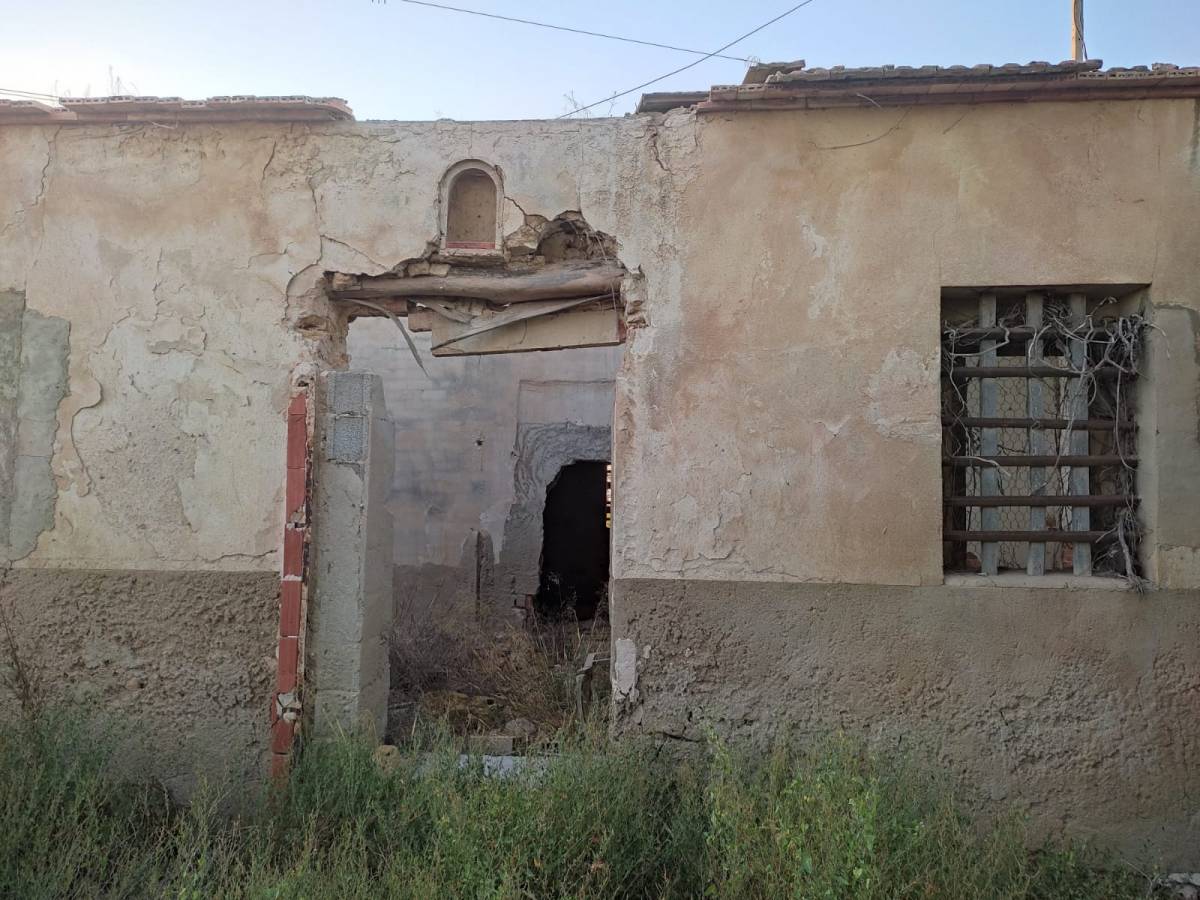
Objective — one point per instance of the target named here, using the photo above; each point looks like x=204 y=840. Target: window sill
x=469 y=249
x=1048 y=582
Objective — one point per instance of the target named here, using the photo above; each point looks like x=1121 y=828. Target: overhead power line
x=584 y=31
x=33 y=95
x=717 y=52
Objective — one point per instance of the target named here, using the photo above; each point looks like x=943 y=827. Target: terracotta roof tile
x=793 y=86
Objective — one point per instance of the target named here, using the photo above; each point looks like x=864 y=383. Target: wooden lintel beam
x=554 y=281
x=397 y=306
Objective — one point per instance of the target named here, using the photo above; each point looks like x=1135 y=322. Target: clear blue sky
x=396 y=61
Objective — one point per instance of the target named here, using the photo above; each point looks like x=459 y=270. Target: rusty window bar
x=983 y=434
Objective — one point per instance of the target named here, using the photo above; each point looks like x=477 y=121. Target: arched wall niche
x=470 y=207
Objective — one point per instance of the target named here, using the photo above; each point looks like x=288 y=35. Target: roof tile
x=792 y=85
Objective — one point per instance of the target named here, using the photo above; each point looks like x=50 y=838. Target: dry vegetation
x=597 y=820
x=478 y=678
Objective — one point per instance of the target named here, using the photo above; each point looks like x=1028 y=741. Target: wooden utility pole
x=1078 y=53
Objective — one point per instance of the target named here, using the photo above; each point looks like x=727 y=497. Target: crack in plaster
x=353 y=249
x=654 y=150
x=23 y=211
x=270 y=159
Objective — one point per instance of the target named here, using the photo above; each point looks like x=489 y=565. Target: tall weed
x=597 y=820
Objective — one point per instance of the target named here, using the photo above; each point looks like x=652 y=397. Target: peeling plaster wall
x=460 y=458
x=457 y=444
x=187 y=262
x=793 y=377
x=33 y=380
x=777 y=426
x=776 y=413
x=182 y=266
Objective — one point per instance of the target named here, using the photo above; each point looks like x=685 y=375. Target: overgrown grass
x=599 y=820
x=523 y=672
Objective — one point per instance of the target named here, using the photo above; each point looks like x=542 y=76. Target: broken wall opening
x=574 y=565
x=483 y=429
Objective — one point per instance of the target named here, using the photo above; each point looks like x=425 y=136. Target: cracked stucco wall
x=186 y=262
x=776 y=415
x=777 y=555
x=794 y=379
x=182 y=266
x=465 y=465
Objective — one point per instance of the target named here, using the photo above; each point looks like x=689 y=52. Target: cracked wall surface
x=186 y=657
x=33 y=381
x=187 y=265
x=777 y=427
x=460 y=455
x=776 y=405
x=1073 y=706
x=795 y=378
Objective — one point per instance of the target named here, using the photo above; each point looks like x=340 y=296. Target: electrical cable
x=646 y=84
x=599 y=34
x=31 y=95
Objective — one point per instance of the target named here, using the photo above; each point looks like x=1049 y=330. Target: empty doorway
x=574 y=566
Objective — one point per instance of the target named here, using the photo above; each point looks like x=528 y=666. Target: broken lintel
x=554 y=281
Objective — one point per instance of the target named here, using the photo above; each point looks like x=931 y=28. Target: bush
x=66 y=828
x=596 y=821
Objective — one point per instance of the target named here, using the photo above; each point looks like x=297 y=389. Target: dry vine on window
x=1039 y=434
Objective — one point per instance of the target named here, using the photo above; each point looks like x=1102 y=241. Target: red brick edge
x=285 y=702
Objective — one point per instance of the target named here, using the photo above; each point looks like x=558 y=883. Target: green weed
x=597 y=820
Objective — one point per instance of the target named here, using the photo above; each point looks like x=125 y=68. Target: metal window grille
x=1039 y=435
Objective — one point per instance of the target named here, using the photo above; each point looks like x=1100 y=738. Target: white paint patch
x=903 y=398
x=624 y=668
x=834 y=428
x=1180 y=567
x=817 y=244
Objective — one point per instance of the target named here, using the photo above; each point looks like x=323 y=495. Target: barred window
x=1039 y=432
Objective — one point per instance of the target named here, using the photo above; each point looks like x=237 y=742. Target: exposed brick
x=297 y=442
x=281 y=736
x=296 y=486
x=293 y=552
x=289 y=664
x=289 y=610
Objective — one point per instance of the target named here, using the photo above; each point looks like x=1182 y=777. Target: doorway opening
x=575 y=544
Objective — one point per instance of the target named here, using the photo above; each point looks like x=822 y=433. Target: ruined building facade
x=218 y=458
